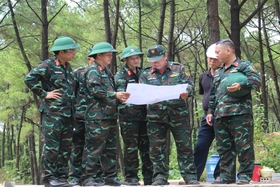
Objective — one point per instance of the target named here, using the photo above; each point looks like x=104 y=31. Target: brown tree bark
x=235 y=23
x=161 y=21
x=23 y=112
x=264 y=96
x=171 y=42
x=3 y=146
x=113 y=66
x=45 y=28
x=277 y=9
x=33 y=159
x=140 y=29
x=271 y=61
x=12 y=143
x=213 y=21
x=9 y=141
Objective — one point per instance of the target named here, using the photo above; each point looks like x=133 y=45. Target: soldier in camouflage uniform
x=79 y=125
x=132 y=121
x=234 y=125
x=170 y=114
x=52 y=80
x=101 y=118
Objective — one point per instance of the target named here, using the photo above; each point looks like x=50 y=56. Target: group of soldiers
x=80 y=109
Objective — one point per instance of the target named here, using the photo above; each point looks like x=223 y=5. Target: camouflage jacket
x=50 y=75
x=129 y=112
x=221 y=104
x=101 y=92
x=171 y=110
x=80 y=93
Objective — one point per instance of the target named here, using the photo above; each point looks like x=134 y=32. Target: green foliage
x=267 y=147
x=21 y=176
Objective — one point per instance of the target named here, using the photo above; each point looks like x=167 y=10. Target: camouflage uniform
x=56 y=115
x=234 y=126
x=79 y=125
x=171 y=114
x=101 y=125
x=133 y=129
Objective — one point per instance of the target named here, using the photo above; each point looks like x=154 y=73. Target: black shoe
x=242 y=181
x=132 y=182
x=148 y=182
x=222 y=181
x=112 y=182
x=56 y=183
x=159 y=182
x=191 y=181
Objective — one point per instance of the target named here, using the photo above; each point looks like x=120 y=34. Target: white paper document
x=141 y=94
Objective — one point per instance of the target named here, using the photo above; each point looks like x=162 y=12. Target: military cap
x=240 y=78
x=130 y=51
x=155 y=53
x=102 y=47
x=64 y=43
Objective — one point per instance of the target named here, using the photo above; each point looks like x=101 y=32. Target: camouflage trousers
x=57 y=138
x=181 y=132
x=134 y=134
x=234 y=137
x=77 y=150
x=100 y=146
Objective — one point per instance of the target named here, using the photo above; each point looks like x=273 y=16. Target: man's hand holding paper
x=141 y=94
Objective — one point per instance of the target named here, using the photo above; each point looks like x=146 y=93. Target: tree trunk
x=120 y=155
x=277 y=9
x=9 y=143
x=140 y=30
x=18 y=137
x=213 y=21
x=27 y=63
x=33 y=159
x=161 y=21
x=115 y=35
x=45 y=27
x=108 y=33
x=12 y=143
x=235 y=26
x=272 y=65
x=171 y=44
x=264 y=96
x=3 y=146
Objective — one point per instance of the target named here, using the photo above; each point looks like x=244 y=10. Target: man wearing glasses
x=52 y=81
x=101 y=128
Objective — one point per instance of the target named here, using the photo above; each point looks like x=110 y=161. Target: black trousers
x=205 y=138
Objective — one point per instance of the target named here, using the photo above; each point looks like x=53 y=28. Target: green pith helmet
x=64 y=43
x=102 y=47
x=130 y=51
x=240 y=78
